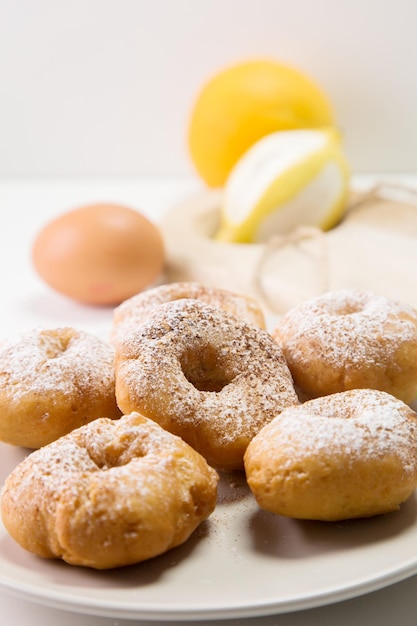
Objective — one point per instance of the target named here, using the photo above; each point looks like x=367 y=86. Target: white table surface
x=25 y=205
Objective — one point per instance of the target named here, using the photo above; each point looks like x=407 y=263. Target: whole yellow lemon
x=245 y=102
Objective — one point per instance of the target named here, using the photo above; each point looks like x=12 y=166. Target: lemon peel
x=285 y=180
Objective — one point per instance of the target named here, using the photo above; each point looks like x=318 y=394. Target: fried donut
x=350 y=339
x=136 y=310
x=52 y=381
x=204 y=375
x=108 y=494
x=350 y=454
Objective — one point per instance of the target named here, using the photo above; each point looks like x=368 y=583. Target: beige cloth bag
x=373 y=248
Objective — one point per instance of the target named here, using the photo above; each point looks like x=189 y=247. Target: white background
x=105 y=87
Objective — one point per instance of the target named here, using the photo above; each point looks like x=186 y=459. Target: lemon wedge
x=285 y=180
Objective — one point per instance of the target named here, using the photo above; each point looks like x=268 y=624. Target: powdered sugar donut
x=111 y=493
x=350 y=454
x=52 y=381
x=351 y=339
x=134 y=311
x=204 y=375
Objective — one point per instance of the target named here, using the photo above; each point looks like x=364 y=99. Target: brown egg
x=99 y=254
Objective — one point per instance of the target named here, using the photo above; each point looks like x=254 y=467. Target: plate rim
x=89 y=606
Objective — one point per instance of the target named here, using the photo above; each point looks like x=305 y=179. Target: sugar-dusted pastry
x=351 y=339
x=346 y=455
x=136 y=310
x=204 y=375
x=108 y=494
x=52 y=381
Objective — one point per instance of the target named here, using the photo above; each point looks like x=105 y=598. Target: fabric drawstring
x=320 y=257
x=276 y=244
x=382 y=191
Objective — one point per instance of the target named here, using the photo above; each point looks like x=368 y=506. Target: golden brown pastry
x=52 y=381
x=111 y=493
x=204 y=375
x=351 y=339
x=136 y=310
x=346 y=455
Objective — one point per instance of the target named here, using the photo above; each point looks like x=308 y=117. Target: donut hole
x=119 y=451
x=349 y=308
x=115 y=456
x=203 y=369
x=347 y=304
x=55 y=342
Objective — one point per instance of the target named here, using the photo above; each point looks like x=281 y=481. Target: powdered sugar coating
x=348 y=339
x=204 y=375
x=53 y=380
x=45 y=359
x=135 y=311
x=348 y=454
x=108 y=494
x=358 y=424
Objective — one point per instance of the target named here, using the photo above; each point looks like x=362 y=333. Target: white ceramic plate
x=241 y=563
